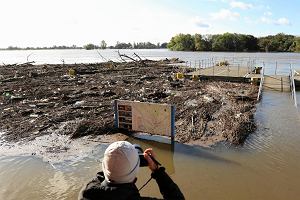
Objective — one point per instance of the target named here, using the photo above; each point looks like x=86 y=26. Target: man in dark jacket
x=117 y=181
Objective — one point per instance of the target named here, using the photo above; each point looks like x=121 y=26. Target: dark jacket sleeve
x=167 y=187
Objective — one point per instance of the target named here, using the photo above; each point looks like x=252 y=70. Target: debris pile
x=37 y=99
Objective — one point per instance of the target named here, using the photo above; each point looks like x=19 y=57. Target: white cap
x=121 y=162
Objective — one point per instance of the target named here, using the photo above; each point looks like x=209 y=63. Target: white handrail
x=293 y=88
x=261 y=84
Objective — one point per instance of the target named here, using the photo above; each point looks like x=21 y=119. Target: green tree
x=234 y=42
x=164 y=45
x=202 y=42
x=103 y=44
x=198 y=42
x=123 y=45
x=280 y=43
x=182 y=42
x=90 y=46
x=225 y=42
x=251 y=43
x=263 y=44
x=207 y=42
x=144 y=45
x=296 y=45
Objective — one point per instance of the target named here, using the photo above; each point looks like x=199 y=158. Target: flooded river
x=266 y=167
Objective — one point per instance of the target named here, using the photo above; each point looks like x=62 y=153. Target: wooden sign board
x=157 y=119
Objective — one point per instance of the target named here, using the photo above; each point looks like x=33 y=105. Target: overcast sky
x=66 y=22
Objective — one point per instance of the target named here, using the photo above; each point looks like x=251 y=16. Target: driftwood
x=18 y=64
x=9 y=65
x=26 y=63
x=126 y=56
x=107 y=60
x=28 y=57
x=140 y=61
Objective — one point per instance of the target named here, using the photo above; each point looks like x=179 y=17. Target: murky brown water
x=266 y=167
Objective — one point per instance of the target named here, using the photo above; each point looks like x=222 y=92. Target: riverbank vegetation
x=103 y=45
x=233 y=42
x=227 y=42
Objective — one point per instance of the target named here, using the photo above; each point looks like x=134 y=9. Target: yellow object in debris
x=179 y=75
x=255 y=80
x=195 y=77
x=72 y=72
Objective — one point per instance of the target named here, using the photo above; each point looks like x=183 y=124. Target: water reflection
x=266 y=167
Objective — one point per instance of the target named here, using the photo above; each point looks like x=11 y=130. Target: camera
x=143 y=161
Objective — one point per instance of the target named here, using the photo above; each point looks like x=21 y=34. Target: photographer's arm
x=167 y=187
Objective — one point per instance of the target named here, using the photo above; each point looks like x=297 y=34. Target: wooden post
x=276 y=68
x=116 y=114
x=228 y=69
x=173 y=110
x=290 y=76
x=281 y=84
x=248 y=67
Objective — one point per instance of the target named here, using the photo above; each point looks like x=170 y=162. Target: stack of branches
x=138 y=61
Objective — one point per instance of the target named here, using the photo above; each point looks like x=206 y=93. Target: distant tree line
x=41 y=48
x=103 y=45
x=139 y=45
x=123 y=45
x=234 y=42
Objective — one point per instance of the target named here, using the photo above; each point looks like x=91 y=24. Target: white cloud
x=241 y=5
x=268 y=13
x=225 y=14
x=201 y=23
x=282 y=21
x=266 y=20
x=68 y=22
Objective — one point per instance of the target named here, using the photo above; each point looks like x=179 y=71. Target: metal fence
x=262 y=78
x=228 y=62
x=293 y=88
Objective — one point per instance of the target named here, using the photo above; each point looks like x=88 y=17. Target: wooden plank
x=158 y=119
x=278 y=83
x=226 y=71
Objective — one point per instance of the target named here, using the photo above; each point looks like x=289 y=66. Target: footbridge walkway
x=276 y=76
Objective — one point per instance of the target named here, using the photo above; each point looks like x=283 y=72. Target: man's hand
x=147 y=153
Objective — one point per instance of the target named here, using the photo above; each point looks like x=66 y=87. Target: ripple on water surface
x=266 y=167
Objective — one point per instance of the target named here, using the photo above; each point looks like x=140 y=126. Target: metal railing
x=228 y=62
x=293 y=88
x=277 y=68
x=262 y=78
